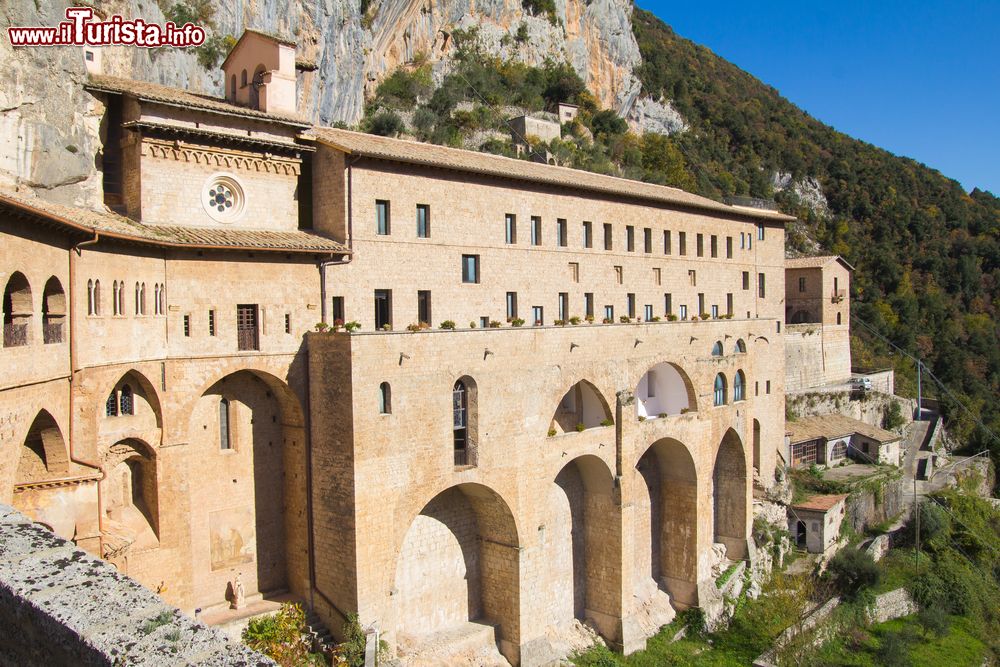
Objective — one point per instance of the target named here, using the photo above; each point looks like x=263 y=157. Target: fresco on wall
x=232 y=534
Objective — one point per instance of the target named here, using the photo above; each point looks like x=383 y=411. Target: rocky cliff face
x=49 y=127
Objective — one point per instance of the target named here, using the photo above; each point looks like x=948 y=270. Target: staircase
x=318 y=633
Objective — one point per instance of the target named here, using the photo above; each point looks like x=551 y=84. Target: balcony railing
x=15 y=335
x=461 y=457
x=246 y=340
x=52 y=332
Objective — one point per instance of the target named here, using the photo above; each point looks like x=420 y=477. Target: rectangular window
x=187 y=325
x=609 y=313
x=756 y=388
x=470 y=268
x=536 y=230
x=836 y=285
x=588 y=304
x=767 y=387
x=538 y=315
x=729 y=247
x=511 y=305
x=761 y=292
x=563 y=306
x=382 y=217
x=484 y=322
x=383 y=308
x=647 y=239
x=423 y=221
x=608 y=240
x=648 y=314
x=510 y=225
x=802 y=284
x=338 y=309
x=729 y=304
x=760 y=231
x=746 y=280
x=701 y=303
x=749 y=241
x=225 y=441
x=656 y=276
x=743 y=241
x=588 y=234
x=692 y=278
x=288 y=323
x=715 y=312
x=574 y=271
x=630 y=238
x=682 y=248
x=668 y=303
x=630 y=301
x=714 y=245
x=666 y=242
x=619 y=276
x=683 y=312
x=700 y=245
x=424 y=306
x=246 y=327
x=563 y=233
x=211 y=323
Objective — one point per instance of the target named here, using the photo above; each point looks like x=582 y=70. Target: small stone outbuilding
x=815 y=522
x=830 y=439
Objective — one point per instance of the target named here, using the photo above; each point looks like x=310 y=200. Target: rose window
x=223 y=198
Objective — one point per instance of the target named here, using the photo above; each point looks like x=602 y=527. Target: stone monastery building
x=167 y=402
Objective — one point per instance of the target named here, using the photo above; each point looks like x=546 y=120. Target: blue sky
x=918 y=78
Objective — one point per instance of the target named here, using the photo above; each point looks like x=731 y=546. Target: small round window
x=223 y=198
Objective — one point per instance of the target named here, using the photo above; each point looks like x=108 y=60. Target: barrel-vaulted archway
x=582 y=546
x=244 y=430
x=664 y=390
x=730 y=494
x=666 y=539
x=458 y=566
x=44 y=454
x=581 y=407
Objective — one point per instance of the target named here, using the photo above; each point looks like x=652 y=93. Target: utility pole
x=916 y=511
x=920 y=409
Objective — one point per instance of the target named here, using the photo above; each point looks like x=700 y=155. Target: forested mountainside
x=927 y=253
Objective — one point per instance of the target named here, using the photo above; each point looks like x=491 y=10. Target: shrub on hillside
x=853 y=570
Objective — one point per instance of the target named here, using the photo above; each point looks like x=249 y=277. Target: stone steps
x=318 y=633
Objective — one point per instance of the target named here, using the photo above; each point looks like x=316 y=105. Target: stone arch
x=458 y=563
x=740 y=347
x=666 y=538
x=131 y=504
x=664 y=389
x=717 y=349
x=582 y=544
x=583 y=404
x=145 y=399
x=255 y=86
x=465 y=421
x=44 y=453
x=18 y=309
x=53 y=311
x=730 y=496
x=240 y=499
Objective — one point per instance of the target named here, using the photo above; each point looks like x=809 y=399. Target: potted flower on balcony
x=448 y=324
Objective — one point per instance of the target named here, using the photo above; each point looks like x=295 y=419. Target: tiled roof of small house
x=815 y=262
x=820 y=503
x=154 y=92
x=831 y=426
x=114 y=226
x=415 y=152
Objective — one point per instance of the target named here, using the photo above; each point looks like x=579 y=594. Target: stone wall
x=868 y=507
x=868 y=407
x=816 y=354
x=70 y=608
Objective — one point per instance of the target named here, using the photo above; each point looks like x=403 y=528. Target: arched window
x=384 y=399
x=17 y=311
x=717 y=349
x=53 y=311
x=90 y=298
x=97 y=297
x=121 y=298
x=741 y=347
x=460 y=408
x=114 y=298
x=156 y=298
x=163 y=299
x=224 y=432
x=232 y=87
x=125 y=401
x=142 y=299
x=111 y=405
x=137 y=298
x=739 y=384
x=243 y=79
x=720 y=389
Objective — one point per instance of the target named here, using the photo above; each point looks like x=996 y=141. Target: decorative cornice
x=235 y=160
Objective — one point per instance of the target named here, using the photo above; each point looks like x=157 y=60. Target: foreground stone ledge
x=61 y=605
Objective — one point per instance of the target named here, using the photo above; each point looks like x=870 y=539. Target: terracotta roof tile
x=815 y=262
x=834 y=426
x=112 y=225
x=821 y=503
x=155 y=92
x=484 y=163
